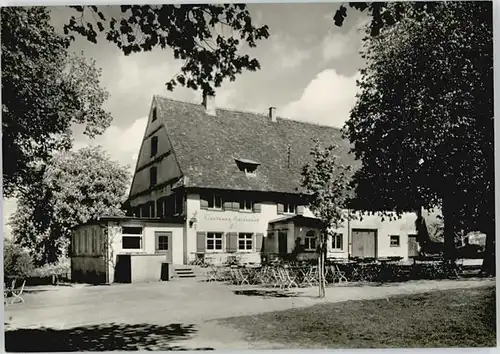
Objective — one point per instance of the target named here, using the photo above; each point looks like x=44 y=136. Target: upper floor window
x=153 y=176
x=154 y=115
x=178 y=204
x=154 y=146
x=246 y=205
x=289 y=208
x=215 y=201
x=310 y=241
x=337 y=241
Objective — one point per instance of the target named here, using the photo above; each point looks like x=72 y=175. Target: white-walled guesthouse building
x=215 y=183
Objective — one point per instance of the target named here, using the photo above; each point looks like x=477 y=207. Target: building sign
x=232 y=221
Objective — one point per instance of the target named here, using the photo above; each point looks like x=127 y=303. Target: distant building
x=232 y=181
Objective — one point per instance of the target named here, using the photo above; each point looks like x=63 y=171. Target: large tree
x=75 y=187
x=206 y=36
x=45 y=90
x=423 y=122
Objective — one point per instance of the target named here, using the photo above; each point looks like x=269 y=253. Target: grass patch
x=452 y=318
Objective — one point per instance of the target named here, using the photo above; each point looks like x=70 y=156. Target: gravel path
x=188 y=303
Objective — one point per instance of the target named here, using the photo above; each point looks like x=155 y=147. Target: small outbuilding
x=126 y=249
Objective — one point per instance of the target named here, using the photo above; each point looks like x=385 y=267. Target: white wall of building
x=234 y=221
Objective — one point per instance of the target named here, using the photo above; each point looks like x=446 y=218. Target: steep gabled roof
x=206 y=147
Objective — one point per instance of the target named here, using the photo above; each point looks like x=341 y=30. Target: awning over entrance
x=298 y=220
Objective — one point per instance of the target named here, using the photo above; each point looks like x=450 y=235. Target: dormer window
x=247 y=166
x=154 y=115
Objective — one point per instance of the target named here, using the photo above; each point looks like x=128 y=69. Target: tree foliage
x=423 y=122
x=16 y=261
x=76 y=187
x=209 y=56
x=45 y=90
x=327 y=184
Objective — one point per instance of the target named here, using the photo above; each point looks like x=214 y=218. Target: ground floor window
x=214 y=241
x=310 y=241
x=337 y=241
x=395 y=240
x=162 y=242
x=132 y=237
x=245 y=242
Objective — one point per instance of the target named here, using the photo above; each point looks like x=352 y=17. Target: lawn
x=453 y=318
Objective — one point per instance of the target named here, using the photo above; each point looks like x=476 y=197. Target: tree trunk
x=488 y=266
x=321 y=267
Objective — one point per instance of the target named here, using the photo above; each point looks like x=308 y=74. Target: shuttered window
x=214 y=241
x=246 y=205
x=245 y=242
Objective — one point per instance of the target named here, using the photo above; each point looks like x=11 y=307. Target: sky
x=308 y=72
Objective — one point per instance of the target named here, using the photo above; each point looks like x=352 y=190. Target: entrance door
x=412 y=246
x=364 y=243
x=282 y=242
x=163 y=244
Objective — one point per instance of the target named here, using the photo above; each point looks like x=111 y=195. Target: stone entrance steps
x=188 y=272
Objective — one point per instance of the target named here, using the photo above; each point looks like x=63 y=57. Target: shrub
x=17 y=262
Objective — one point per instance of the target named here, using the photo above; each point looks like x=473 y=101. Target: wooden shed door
x=364 y=243
x=163 y=244
x=412 y=246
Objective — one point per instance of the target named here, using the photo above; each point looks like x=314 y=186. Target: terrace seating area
x=286 y=275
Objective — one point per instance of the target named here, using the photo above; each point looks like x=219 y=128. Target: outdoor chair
x=16 y=293
x=288 y=279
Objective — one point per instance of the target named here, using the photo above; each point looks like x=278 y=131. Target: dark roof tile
x=206 y=146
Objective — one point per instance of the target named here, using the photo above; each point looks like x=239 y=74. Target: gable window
x=215 y=201
x=153 y=176
x=154 y=146
x=246 y=205
x=245 y=242
x=289 y=208
x=154 y=115
x=214 y=241
x=395 y=242
x=132 y=237
x=337 y=242
x=310 y=241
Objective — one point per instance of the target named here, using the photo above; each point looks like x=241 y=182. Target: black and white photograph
x=199 y=176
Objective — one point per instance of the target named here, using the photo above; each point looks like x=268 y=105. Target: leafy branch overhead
x=45 y=90
x=194 y=32
x=384 y=14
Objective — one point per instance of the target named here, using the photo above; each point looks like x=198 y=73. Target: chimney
x=272 y=114
x=209 y=104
